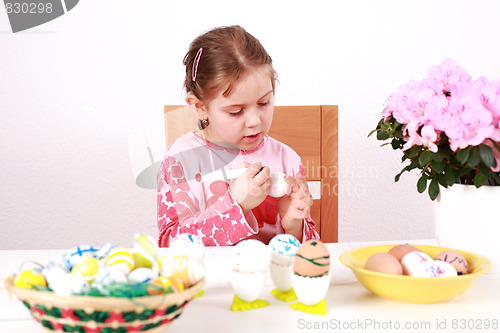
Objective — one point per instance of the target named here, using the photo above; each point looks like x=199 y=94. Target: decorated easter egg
x=145 y=249
x=104 y=250
x=312 y=259
x=77 y=253
x=250 y=256
x=187 y=244
x=165 y=285
x=87 y=268
x=434 y=268
x=399 y=251
x=456 y=259
x=29 y=279
x=384 y=263
x=413 y=262
x=69 y=284
x=53 y=273
x=185 y=259
x=121 y=258
x=283 y=249
x=279 y=185
x=107 y=275
x=141 y=274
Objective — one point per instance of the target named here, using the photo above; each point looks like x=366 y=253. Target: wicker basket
x=86 y=314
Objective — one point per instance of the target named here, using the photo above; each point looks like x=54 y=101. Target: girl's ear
x=198 y=106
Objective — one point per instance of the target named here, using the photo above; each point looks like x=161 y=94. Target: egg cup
x=241 y=305
x=285 y=296
x=319 y=308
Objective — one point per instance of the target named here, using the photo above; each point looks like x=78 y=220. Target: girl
x=230 y=83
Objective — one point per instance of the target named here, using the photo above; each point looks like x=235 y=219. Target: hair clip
x=195 y=63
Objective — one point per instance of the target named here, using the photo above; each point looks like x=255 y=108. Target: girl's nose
x=253 y=118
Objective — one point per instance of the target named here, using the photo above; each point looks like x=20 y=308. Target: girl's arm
x=222 y=222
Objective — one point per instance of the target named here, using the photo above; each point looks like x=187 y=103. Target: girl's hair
x=219 y=58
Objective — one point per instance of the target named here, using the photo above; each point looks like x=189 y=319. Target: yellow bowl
x=404 y=288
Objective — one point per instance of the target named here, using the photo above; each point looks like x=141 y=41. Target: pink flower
x=470 y=123
x=449 y=74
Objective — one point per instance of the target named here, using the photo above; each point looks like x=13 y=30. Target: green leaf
x=424 y=158
x=433 y=189
x=479 y=179
x=395 y=144
x=497 y=146
x=487 y=155
x=438 y=166
x=422 y=183
x=413 y=151
x=463 y=155
x=450 y=175
x=474 y=157
x=383 y=135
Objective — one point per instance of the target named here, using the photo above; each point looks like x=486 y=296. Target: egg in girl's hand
x=283 y=249
x=279 y=185
x=250 y=261
x=457 y=260
x=311 y=277
x=399 y=251
x=384 y=263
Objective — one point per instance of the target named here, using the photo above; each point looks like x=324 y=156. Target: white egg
x=279 y=185
x=283 y=249
x=250 y=256
x=67 y=284
x=310 y=290
x=412 y=262
x=108 y=275
x=435 y=269
x=141 y=274
x=248 y=286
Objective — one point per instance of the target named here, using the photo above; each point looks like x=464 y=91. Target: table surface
x=351 y=307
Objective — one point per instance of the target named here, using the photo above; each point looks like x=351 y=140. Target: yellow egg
x=121 y=257
x=87 y=268
x=312 y=259
x=145 y=248
x=30 y=278
x=164 y=284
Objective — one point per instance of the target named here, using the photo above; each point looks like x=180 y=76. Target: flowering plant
x=446 y=125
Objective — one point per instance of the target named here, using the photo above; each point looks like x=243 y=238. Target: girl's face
x=244 y=117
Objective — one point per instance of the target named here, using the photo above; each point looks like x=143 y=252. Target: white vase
x=468 y=218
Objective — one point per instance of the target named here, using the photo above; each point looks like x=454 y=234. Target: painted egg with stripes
x=312 y=259
x=121 y=258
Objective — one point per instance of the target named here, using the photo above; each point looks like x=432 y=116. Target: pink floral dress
x=208 y=209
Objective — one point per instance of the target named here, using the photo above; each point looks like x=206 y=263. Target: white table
x=351 y=308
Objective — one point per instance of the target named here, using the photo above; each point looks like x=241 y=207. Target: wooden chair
x=312 y=131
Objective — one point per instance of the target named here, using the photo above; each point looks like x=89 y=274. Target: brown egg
x=399 y=251
x=384 y=263
x=312 y=259
x=457 y=260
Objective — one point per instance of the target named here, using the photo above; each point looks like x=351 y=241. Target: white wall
x=72 y=90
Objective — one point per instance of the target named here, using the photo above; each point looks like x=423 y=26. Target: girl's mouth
x=252 y=138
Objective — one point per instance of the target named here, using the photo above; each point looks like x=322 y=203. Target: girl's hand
x=294 y=208
x=252 y=187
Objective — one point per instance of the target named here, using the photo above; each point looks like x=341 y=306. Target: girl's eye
x=237 y=113
x=263 y=103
